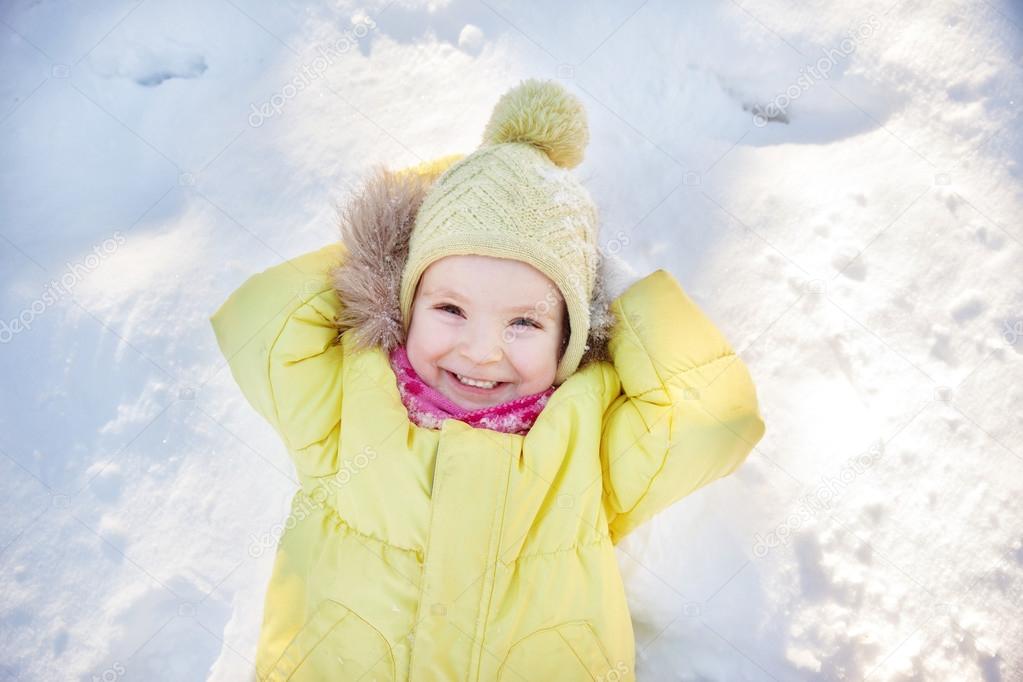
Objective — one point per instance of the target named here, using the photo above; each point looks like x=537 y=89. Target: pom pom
x=545 y=115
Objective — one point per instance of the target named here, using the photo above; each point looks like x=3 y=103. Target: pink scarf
x=427 y=407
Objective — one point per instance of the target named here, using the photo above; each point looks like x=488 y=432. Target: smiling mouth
x=475 y=383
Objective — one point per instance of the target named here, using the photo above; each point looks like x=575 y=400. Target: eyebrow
x=448 y=293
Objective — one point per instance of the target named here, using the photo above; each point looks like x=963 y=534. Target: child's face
x=489 y=319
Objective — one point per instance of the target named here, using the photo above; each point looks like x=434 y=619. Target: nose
x=481 y=346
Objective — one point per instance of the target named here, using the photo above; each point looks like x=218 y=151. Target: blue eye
x=455 y=310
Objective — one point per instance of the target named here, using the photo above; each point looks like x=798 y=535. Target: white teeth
x=474 y=382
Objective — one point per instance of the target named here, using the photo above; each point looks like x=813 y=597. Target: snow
x=838 y=185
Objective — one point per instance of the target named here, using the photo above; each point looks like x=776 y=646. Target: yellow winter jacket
x=464 y=553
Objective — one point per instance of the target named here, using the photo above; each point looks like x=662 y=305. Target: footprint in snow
x=849 y=262
x=151 y=66
x=989 y=238
x=968 y=307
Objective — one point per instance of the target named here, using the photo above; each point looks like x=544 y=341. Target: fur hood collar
x=375 y=227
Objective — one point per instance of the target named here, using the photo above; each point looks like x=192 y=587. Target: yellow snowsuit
x=464 y=553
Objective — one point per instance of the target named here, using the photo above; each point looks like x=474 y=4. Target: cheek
x=535 y=359
x=427 y=339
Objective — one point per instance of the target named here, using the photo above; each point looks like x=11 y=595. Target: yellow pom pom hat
x=515 y=198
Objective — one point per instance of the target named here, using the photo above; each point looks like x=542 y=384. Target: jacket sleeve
x=277 y=336
x=688 y=412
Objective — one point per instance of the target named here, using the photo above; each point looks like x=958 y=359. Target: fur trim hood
x=375 y=226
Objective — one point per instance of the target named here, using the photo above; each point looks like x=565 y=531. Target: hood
x=375 y=227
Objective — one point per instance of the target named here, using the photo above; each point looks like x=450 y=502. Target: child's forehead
x=493 y=281
x=463 y=273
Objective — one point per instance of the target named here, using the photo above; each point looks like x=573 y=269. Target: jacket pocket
x=335 y=644
x=567 y=652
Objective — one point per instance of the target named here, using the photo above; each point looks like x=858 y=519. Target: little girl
x=476 y=418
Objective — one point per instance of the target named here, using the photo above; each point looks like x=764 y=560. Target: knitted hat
x=514 y=198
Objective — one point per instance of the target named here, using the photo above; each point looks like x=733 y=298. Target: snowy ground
x=853 y=227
